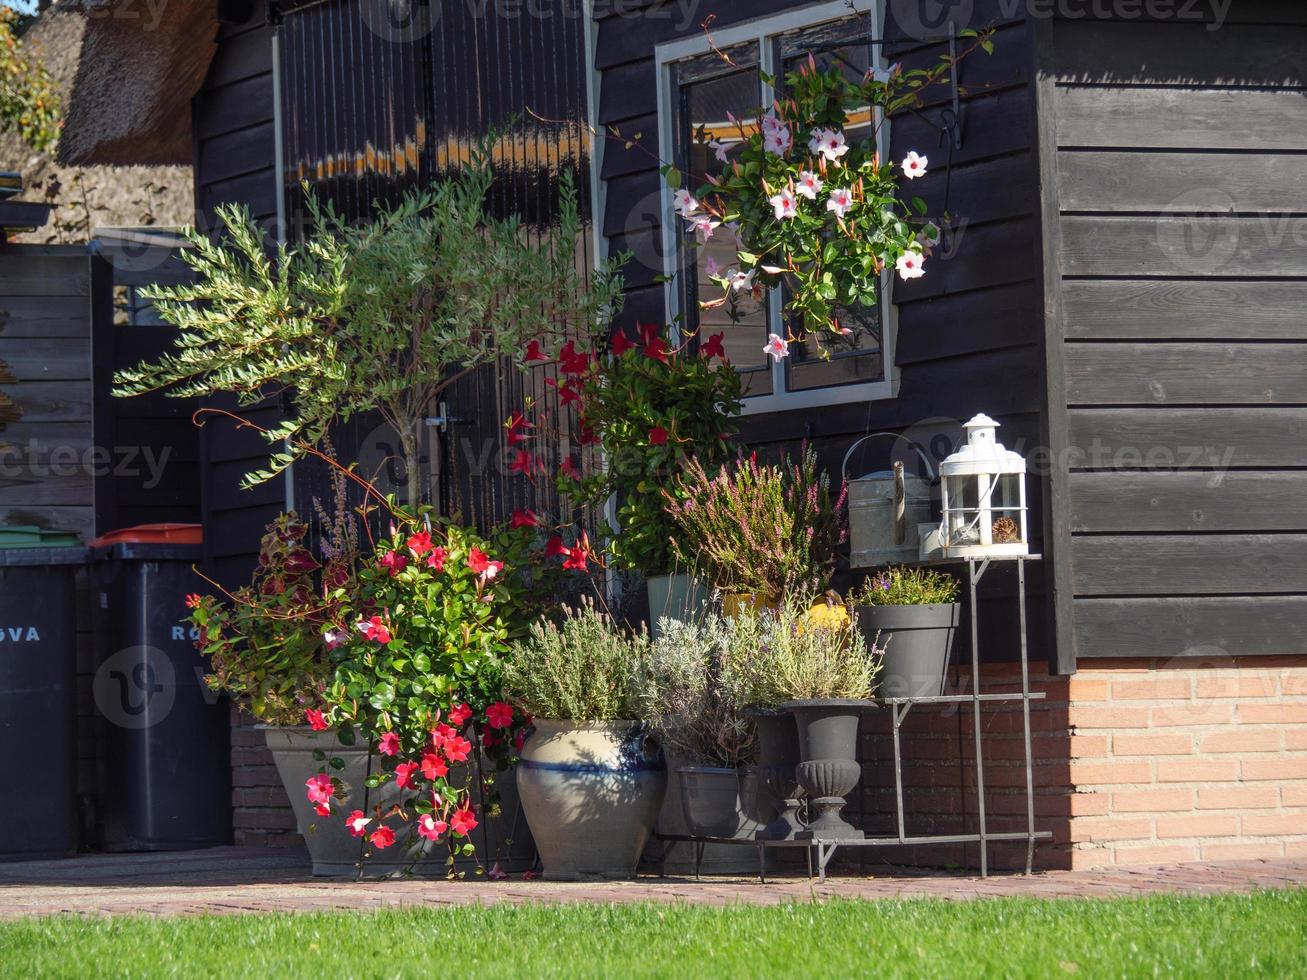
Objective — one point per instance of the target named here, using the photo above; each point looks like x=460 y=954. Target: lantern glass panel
x=964 y=509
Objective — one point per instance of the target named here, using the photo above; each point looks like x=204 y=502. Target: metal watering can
x=886 y=510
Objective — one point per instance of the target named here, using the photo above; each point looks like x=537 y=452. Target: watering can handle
x=844 y=466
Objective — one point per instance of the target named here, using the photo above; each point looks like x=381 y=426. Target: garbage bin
x=38 y=691
x=165 y=764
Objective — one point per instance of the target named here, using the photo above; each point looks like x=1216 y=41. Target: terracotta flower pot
x=591 y=791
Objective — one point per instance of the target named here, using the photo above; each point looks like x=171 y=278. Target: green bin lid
x=29 y=536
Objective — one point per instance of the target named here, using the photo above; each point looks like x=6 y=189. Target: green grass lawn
x=1227 y=937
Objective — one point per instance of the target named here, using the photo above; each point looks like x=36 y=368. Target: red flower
x=374 y=629
x=657 y=436
x=569 y=469
x=514 y=423
x=524 y=518
x=478 y=561
x=193 y=601
x=436 y=559
x=463 y=822
x=457 y=749
x=657 y=349
x=621 y=343
x=394 y=561
x=404 y=775
x=357 y=823
x=585 y=433
x=713 y=347
x=576 y=559
x=571 y=361
x=554 y=546
x=566 y=396
x=441 y=734
x=382 y=838
x=499 y=715
x=519 y=739
x=320 y=788
x=458 y=715
x=431 y=828
x=433 y=767
x=388 y=744
x=534 y=353
x=523 y=463
x=420 y=543
x=316 y=721
x=322 y=809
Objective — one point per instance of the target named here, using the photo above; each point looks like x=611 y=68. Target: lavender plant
x=771 y=531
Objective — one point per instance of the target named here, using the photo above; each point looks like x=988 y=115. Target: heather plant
x=903 y=585
x=769 y=531
x=584 y=669
x=694 y=691
x=801 y=657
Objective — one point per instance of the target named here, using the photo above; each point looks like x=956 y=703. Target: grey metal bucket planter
x=682 y=597
x=828 y=766
x=723 y=802
x=918 y=642
x=591 y=791
x=778 y=763
x=335 y=853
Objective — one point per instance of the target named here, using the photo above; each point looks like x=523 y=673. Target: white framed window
x=699 y=92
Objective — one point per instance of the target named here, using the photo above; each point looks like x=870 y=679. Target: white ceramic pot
x=591 y=792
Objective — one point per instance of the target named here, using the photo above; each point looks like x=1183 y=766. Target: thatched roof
x=141 y=64
x=95 y=195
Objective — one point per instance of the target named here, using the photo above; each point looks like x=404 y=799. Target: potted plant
x=590 y=776
x=650 y=405
x=915 y=612
x=759 y=533
x=694 y=694
x=824 y=672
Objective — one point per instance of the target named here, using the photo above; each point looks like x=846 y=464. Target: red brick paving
x=238 y=880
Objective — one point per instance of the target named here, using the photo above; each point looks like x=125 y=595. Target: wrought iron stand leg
x=762 y=863
x=698 y=857
x=1025 y=717
x=897 y=720
x=975 y=720
x=807 y=852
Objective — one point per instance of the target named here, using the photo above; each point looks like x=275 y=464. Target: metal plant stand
x=824 y=850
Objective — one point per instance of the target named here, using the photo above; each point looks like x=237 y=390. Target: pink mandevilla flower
x=388 y=744
x=320 y=788
x=463 y=822
x=431 y=828
x=404 y=775
x=357 y=822
x=382 y=838
x=784 y=204
x=458 y=715
x=374 y=629
x=914 y=165
x=840 y=200
x=776 y=347
x=315 y=719
x=809 y=184
x=911 y=265
x=684 y=203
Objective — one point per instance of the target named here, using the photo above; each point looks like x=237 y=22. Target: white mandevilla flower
x=914 y=165
x=777 y=141
x=831 y=145
x=334 y=638
x=703 y=226
x=719 y=150
x=710 y=267
x=840 y=200
x=809 y=184
x=883 y=75
x=683 y=203
x=911 y=265
x=740 y=280
x=770 y=123
x=776 y=347
x=785 y=204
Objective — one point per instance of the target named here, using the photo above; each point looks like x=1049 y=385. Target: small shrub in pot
x=915 y=613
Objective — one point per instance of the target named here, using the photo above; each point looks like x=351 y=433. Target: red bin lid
x=153 y=534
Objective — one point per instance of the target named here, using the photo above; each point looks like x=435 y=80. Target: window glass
x=711 y=94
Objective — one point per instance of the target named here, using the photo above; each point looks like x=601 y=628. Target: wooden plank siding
x=969 y=333
x=1181 y=185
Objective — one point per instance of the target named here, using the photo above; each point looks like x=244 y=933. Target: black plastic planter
x=828 y=766
x=918 y=642
x=778 y=762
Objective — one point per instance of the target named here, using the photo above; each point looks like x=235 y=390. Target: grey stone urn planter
x=335 y=853
x=723 y=802
x=778 y=763
x=591 y=792
x=918 y=642
x=828 y=762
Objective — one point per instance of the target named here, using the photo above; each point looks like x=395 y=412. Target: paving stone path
x=234 y=880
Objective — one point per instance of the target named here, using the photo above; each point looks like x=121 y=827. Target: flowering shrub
x=813 y=210
x=265 y=643
x=770 y=531
x=651 y=406
x=904 y=585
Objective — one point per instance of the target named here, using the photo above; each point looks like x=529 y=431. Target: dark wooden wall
x=1177 y=233
x=970 y=332
x=232 y=124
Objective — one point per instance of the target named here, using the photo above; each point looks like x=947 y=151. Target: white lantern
x=984 y=488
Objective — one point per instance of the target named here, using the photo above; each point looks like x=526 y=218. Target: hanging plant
x=813 y=209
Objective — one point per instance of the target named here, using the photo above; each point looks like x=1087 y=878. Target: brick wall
x=261 y=813
x=1176 y=761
